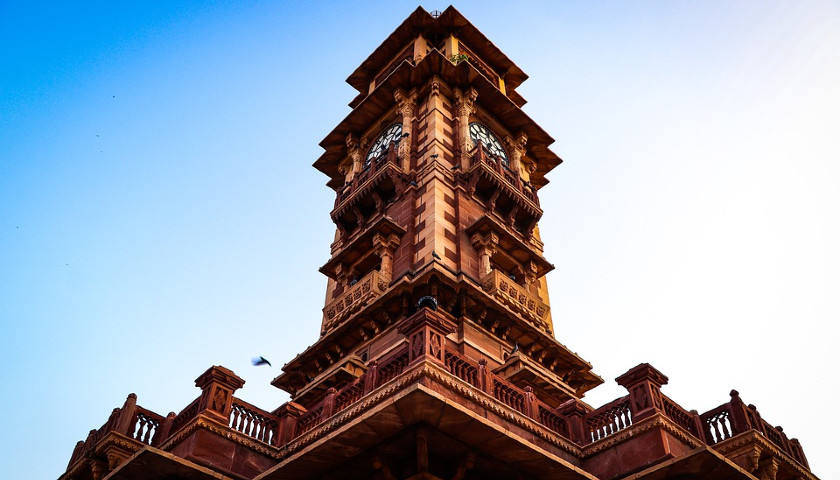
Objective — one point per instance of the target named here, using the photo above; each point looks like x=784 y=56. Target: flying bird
x=435 y=255
x=257 y=361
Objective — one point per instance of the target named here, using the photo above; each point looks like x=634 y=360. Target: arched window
x=480 y=133
x=391 y=134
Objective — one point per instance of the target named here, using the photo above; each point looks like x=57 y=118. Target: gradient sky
x=159 y=213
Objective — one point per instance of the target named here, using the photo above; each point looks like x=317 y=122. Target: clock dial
x=480 y=133
x=380 y=146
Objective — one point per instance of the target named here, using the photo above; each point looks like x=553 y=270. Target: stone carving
x=464 y=107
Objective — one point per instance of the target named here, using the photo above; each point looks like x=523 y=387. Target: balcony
x=370 y=191
x=515 y=297
x=370 y=287
x=502 y=191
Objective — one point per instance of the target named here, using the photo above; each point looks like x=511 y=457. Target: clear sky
x=159 y=213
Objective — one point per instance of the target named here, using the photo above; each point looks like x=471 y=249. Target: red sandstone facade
x=436 y=357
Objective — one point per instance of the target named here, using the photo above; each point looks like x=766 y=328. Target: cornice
x=454 y=384
x=658 y=420
x=754 y=437
x=222 y=430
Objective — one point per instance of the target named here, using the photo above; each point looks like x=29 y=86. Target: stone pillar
x=126 y=417
x=485 y=381
x=354 y=153
x=165 y=428
x=464 y=107
x=574 y=412
x=406 y=107
x=288 y=413
x=385 y=246
x=371 y=376
x=486 y=245
x=532 y=408
x=643 y=382
x=217 y=386
x=516 y=149
x=426 y=331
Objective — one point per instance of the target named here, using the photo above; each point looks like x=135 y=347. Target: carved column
x=516 y=149
x=486 y=245
x=426 y=331
x=385 y=246
x=644 y=383
x=127 y=412
x=574 y=411
x=288 y=413
x=406 y=106
x=354 y=153
x=217 y=385
x=464 y=107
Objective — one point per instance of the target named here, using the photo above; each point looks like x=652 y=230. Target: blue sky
x=159 y=213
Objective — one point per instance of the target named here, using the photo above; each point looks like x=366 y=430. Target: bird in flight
x=257 y=361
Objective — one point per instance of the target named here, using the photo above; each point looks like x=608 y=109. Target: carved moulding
x=222 y=430
x=430 y=370
x=657 y=420
x=753 y=452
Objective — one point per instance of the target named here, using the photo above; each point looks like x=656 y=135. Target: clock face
x=380 y=146
x=480 y=133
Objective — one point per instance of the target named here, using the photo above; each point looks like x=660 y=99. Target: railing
x=718 y=424
x=733 y=418
x=609 y=419
x=144 y=426
x=339 y=400
x=481 y=155
x=551 y=419
x=253 y=421
x=131 y=420
x=679 y=415
x=369 y=287
x=188 y=413
x=349 y=395
x=390 y=369
x=376 y=165
x=517 y=298
x=508 y=394
x=461 y=368
x=309 y=420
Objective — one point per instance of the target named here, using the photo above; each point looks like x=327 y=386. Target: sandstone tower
x=437 y=356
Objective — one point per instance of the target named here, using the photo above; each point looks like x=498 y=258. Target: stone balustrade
x=480 y=155
x=426 y=334
x=517 y=298
x=357 y=296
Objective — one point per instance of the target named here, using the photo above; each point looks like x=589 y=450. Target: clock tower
x=436 y=357
x=437 y=171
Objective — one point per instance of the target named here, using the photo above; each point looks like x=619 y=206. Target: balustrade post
x=485 y=381
x=77 y=453
x=698 y=426
x=531 y=407
x=799 y=453
x=371 y=376
x=643 y=382
x=426 y=331
x=574 y=411
x=288 y=413
x=126 y=415
x=165 y=427
x=217 y=386
x=740 y=421
x=329 y=404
